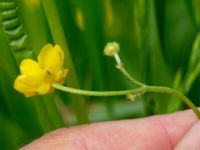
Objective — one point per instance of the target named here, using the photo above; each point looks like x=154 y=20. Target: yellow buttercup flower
x=36 y=77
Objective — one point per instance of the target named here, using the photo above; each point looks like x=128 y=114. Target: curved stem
x=120 y=66
x=127 y=75
x=97 y=93
x=143 y=89
x=187 y=101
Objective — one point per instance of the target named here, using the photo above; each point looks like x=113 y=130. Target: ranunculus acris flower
x=36 y=78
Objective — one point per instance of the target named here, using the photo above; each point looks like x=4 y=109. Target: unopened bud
x=111 y=48
x=132 y=97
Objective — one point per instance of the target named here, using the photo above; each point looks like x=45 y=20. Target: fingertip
x=177 y=124
x=190 y=139
x=151 y=132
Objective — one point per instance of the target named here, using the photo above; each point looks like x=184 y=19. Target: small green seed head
x=132 y=97
x=111 y=49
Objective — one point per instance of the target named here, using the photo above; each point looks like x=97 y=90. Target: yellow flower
x=36 y=77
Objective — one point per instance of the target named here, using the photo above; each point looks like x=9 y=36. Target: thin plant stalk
x=140 y=90
x=78 y=101
x=112 y=49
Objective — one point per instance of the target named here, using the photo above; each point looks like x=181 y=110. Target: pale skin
x=179 y=131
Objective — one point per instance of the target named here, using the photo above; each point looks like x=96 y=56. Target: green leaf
x=15 y=39
x=194 y=65
x=196 y=10
x=11 y=134
x=159 y=73
x=57 y=31
x=14 y=30
x=178 y=33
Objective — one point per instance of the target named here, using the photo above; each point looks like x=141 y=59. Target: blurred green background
x=160 y=45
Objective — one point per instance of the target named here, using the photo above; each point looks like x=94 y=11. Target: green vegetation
x=160 y=45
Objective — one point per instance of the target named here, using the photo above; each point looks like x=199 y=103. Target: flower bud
x=111 y=48
x=132 y=97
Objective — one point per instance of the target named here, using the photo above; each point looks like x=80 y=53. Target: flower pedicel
x=48 y=73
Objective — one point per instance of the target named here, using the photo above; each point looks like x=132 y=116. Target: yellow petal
x=28 y=85
x=61 y=53
x=28 y=94
x=44 y=89
x=31 y=68
x=51 y=58
x=61 y=74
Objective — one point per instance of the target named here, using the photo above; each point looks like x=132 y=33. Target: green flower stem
x=97 y=93
x=120 y=66
x=143 y=89
x=127 y=75
x=187 y=101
